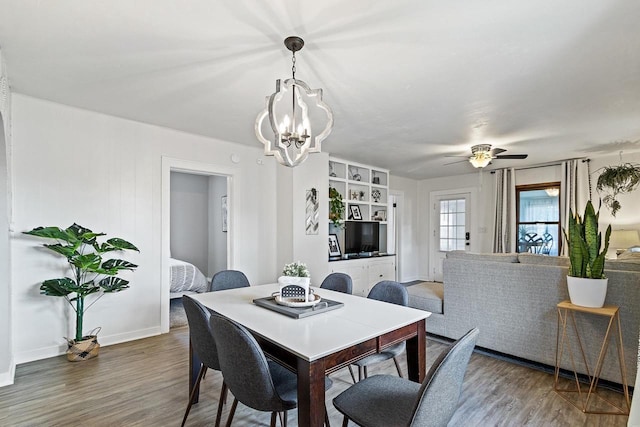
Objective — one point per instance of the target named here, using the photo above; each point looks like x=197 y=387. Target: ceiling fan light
x=480 y=161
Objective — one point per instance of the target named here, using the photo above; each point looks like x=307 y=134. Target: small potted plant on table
x=586 y=281
x=90 y=275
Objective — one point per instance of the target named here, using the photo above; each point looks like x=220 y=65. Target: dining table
x=317 y=345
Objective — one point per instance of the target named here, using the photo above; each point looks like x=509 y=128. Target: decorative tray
x=319 y=306
x=297 y=302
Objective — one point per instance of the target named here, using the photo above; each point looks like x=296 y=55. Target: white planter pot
x=587 y=292
x=298 y=281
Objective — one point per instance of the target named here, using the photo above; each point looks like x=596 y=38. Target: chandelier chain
x=293 y=65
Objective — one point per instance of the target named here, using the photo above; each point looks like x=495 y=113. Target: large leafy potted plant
x=90 y=275
x=586 y=281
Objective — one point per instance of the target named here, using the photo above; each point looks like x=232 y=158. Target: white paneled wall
x=105 y=173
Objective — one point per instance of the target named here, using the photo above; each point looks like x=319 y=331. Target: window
x=452 y=224
x=538 y=218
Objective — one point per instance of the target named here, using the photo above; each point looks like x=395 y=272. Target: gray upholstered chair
x=394 y=293
x=386 y=400
x=339 y=282
x=228 y=279
x=255 y=381
x=204 y=345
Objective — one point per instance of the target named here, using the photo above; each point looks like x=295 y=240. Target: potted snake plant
x=586 y=281
x=90 y=276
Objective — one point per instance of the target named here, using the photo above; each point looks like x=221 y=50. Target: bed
x=185 y=278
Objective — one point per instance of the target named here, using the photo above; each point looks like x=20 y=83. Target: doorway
x=450 y=225
x=197 y=232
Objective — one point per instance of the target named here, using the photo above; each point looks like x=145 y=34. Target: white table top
x=316 y=336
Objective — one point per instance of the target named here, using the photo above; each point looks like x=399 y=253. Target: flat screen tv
x=361 y=236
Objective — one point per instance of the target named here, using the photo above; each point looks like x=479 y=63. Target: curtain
x=575 y=185
x=504 y=230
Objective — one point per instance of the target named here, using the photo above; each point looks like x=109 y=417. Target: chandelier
x=288 y=110
x=481 y=155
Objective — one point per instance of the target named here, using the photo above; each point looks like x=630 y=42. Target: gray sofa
x=512 y=299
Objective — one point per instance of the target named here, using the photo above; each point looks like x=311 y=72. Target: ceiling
x=410 y=82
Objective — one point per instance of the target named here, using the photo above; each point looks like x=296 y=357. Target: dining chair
x=386 y=400
x=258 y=383
x=339 y=282
x=394 y=293
x=228 y=279
x=204 y=345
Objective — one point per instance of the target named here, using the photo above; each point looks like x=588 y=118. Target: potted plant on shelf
x=586 y=281
x=616 y=180
x=90 y=275
x=336 y=207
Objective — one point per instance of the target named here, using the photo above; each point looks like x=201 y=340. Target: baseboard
x=106 y=340
x=6 y=378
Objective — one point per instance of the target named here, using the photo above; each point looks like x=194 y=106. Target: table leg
x=311 y=393
x=417 y=353
x=194 y=368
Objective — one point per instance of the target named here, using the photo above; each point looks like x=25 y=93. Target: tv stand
x=366 y=271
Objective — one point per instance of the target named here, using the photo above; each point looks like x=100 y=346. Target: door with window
x=450 y=231
x=538 y=218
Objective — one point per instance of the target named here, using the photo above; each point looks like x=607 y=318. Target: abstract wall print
x=312 y=208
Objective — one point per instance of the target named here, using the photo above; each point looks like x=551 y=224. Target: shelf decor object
x=287 y=109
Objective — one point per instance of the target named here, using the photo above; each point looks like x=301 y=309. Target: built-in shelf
x=364 y=190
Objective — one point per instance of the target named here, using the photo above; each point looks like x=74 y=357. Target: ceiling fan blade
x=459 y=161
x=512 y=156
x=467 y=156
x=494 y=152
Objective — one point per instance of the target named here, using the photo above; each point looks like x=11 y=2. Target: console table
x=566 y=312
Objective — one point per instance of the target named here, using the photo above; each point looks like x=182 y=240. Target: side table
x=567 y=311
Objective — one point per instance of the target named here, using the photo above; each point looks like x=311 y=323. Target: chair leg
x=221 y=402
x=366 y=372
x=326 y=418
x=345 y=421
x=395 y=360
x=284 y=418
x=273 y=419
x=353 y=377
x=359 y=373
x=232 y=412
x=201 y=373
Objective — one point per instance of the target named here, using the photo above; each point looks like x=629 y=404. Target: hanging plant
x=336 y=207
x=616 y=180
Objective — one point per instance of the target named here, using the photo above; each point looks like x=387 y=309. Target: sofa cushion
x=426 y=296
x=632 y=264
x=527 y=258
x=510 y=258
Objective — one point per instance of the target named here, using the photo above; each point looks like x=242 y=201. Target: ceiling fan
x=483 y=154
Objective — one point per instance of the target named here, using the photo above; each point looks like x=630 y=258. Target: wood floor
x=144 y=383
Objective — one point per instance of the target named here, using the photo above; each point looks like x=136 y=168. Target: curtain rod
x=543 y=165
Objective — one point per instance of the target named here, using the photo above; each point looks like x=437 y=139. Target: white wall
x=190 y=219
x=217 y=237
x=105 y=173
x=312 y=249
x=7 y=365
x=408 y=256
